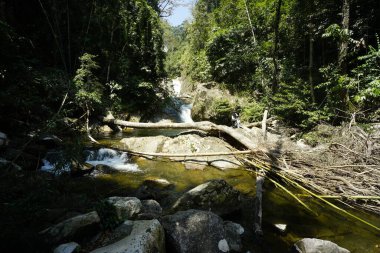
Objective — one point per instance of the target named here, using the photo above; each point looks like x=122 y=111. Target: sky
x=181 y=13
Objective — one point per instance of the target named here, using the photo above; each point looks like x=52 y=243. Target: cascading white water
x=184 y=109
x=177 y=86
x=105 y=156
x=115 y=159
x=185 y=113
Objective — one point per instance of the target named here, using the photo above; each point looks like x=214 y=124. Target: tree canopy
x=308 y=61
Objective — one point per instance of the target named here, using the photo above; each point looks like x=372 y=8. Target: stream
x=278 y=207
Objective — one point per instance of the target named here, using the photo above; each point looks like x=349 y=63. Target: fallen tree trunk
x=205 y=126
x=232 y=153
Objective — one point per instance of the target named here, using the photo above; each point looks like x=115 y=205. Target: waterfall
x=177 y=86
x=184 y=109
x=185 y=113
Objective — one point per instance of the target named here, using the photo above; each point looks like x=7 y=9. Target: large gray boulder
x=312 y=245
x=186 y=144
x=151 y=144
x=216 y=196
x=151 y=209
x=195 y=231
x=126 y=207
x=144 y=236
x=75 y=228
x=192 y=144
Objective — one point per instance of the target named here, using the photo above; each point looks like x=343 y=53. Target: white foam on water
x=177 y=86
x=112 y=158
x=51 y=167
x=104 y=156
x=185 y=113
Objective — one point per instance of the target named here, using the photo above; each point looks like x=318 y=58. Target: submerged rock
x=216 y=196
x=234 y=232
x=281 y=227
x=195 y=231
x=3 y=139
x=158 y=189
x=126 y=207
x=145 y=236
x=70 y=247
x=75 y=228
x=312 y=245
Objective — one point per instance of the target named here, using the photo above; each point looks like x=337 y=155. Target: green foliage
x=336 y=32
x=293 y=106
x=319 y=135
x=221 y=111
x=365 y=83
x=108 y=214
x=232 y=57
x=88 y=89
x=252 y=112
x=39 y=49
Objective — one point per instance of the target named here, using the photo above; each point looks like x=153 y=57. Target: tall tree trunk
x=343 y=50
x=250 y=22
x=109 y=55
x=311 y=66
x=276 y=42
x=68 y=37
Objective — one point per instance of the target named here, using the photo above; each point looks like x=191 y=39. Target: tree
x=89 y=91
x=276 y=46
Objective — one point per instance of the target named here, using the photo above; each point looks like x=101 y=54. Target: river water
x=278 y=207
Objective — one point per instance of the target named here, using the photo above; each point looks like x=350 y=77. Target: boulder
x=187 y=144
x=101 y=169
x=192 y=144
x=49 y=141
x=70 y=247
x=158 y=189
x=216 y=196
x=126 y=207
x=234 y=232
x=105 y=129
x=312 y=245
x=280 y=227
x=3 y=139
x=195 y=231
x=145 y=236
x=151 y=209
x=151 y=144
x=75 y=228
